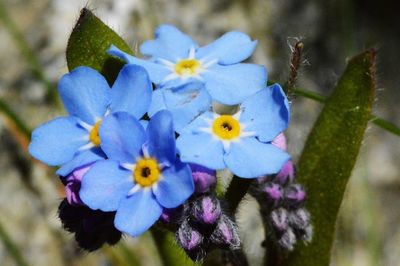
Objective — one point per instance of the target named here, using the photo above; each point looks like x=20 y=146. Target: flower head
x=240 y=142
x=176 y=60
x=143 y=174
x=75 y=139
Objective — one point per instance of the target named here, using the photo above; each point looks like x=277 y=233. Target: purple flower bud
x=273 y=192
x=287 y=240
x=203 y=177
x=188 y=238
x=206 y=209
x=286 y=174
x=226 y=234
x=295 y=194
x=299 y=219
x=73 y=184
x=280 y=220
x=280 y=142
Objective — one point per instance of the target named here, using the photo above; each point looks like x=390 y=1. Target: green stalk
x=11 y=247
x=27 y=53
x=384 y=124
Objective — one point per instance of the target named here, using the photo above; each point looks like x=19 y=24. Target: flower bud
x=203 y=177
x=280 y=220
x=273 y=192
x=288 y=239
x=188 y=238
x=280 y=142
x=226 y=234
x=299 y=219
x=295 y=194
x=206 y=209
x=73 y=184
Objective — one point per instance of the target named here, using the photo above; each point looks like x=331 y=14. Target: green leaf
x=88 y=45
x=330 y=154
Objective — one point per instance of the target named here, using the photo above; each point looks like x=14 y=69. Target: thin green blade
x=330 y=154
x=88 y=44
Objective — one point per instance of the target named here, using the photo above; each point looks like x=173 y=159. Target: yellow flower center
x=94 y=134
x=147 y=172
x=187 y=67
x=226 y=127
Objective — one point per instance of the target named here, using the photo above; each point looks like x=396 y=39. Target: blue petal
x=104 y=185
x=200 y=147
x=57 y=141
x=161 y=137
x=185 y=104
x=131 y=91
x=233 y=84
x=169 y=43
x=232 y=47
x=176 y=185
x=266 y=113
x=157 y=72
x=137 y=213
x=202 y=121
x=85 y=94
x=84 y=158
x=122 y=137
x=250 y=158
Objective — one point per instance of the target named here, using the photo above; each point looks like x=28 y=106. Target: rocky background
x=368 y=229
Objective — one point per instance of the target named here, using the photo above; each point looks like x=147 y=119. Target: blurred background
x=33 y=38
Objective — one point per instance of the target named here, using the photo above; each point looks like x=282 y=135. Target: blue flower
x=143 y=174
x=185 y=103
x=73 y=140
x=176 y=60
x=240 y=142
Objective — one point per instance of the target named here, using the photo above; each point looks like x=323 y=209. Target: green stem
x=27 y=53
x=236 y=191
x=10 y=114
x=11 y=247
x=384 y=124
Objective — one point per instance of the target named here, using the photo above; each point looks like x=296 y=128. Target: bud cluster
x=282 y=207
x=201 y=222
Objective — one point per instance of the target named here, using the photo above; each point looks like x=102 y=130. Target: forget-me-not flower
x=185 y=103
x=143 y=174
x=176 y=60
x=240 y=142
x=73 y=140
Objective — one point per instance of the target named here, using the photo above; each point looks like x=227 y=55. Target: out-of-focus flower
x=86 y=95
x=143 y=174
x=176 y=60
x=240 y=142
x=92 y=228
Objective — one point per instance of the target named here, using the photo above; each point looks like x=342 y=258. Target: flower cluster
x=124 y=150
